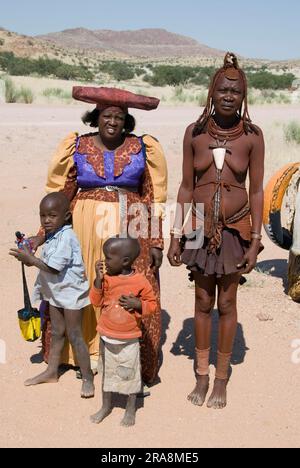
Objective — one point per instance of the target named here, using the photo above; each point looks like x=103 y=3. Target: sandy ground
x=263 y=408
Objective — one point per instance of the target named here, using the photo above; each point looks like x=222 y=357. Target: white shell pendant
x=219 y=157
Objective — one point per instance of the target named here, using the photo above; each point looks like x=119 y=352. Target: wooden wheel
x=274 y=195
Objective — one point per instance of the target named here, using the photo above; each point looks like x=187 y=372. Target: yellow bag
x=29 y=318
x=30 y=328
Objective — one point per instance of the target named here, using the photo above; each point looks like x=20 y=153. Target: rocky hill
x=150 y=43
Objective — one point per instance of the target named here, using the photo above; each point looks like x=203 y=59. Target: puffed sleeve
x=157 y=167
x=62 y=165
x=154 y=188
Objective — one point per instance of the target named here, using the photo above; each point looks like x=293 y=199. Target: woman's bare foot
x=198 y=395
x=45 y=377
x=97 y=418
x=87 y=389
x=218 y=398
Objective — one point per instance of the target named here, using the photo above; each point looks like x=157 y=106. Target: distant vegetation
x=163 y=75
x=292 y=132
x=18 y=66
x=263 y=79
x=156 y=75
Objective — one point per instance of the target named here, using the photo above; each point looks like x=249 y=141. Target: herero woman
x=219 y=150
x=104 y=174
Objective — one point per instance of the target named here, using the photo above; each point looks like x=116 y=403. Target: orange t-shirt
x=115 y=321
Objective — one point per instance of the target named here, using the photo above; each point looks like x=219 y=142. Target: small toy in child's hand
x=22 y=241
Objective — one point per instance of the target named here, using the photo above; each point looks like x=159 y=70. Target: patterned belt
x=112 y=188
x=122 y=203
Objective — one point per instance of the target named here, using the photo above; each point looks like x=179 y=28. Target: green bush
x=179 y=95
x=11 y=93
x=25 y=95
x=57 y=93
x=265 y=80
x=164 y=75
x=49 y=92
x=119 y=71
x=202 y=99
x=43 y=67
x=292 y=132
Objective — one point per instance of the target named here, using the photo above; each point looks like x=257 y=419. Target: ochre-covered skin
x=225 y=123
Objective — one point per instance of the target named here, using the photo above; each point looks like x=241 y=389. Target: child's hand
x=23 y=255
x=36 y=242
x=130 y=303
x=99 y=267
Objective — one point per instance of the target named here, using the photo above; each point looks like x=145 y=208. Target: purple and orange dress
x=104 y=188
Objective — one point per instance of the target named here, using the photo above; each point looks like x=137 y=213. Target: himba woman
x=232 y=221
x=104 y=174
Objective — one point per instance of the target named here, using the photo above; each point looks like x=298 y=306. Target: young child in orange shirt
x=124 y=296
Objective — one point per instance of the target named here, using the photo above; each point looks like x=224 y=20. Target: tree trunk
x=294 y=277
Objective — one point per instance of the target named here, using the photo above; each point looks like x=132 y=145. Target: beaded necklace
x=221 y=137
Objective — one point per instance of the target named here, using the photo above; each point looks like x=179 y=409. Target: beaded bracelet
x=255 y=235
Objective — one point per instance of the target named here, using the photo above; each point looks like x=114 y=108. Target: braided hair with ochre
x=232 y=72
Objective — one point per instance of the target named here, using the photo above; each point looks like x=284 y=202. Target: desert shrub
x=252 y=99
x=264 y=79
x=203 y=76
x=138 y=71
x=118 y=70
x=202 y=99
x=57 y=93
x=292 y=132
x=164 y=75
x=43 y=66
x=11 y=93
x=2 y=42
x=65 y=72
x=284 y=99
x=5 y=58
x=25 y=95
x=84 y=74
x=179 y=94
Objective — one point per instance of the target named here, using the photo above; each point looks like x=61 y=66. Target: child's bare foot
x=129 y=419
x=97 y=418
x=198 y=395
x=87 y=388
x=45 y=377
x=218 y=398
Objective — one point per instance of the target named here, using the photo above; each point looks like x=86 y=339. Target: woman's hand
x=174 y=253
x=36 y=242
x=156 y=256
x=249 y=261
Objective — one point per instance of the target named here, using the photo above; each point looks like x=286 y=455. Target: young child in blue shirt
x=62 y=282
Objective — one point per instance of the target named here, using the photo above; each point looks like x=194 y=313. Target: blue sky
x=255 y=28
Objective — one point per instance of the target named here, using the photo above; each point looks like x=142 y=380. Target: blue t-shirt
x=69 y=289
